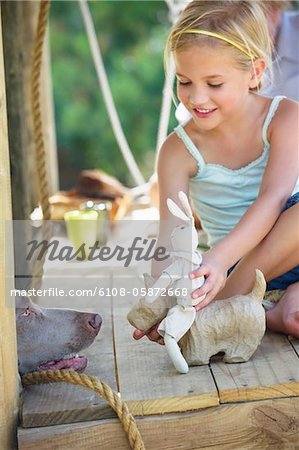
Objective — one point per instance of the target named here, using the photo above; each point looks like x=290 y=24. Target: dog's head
x=50 y=338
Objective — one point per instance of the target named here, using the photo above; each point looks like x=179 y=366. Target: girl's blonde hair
x=242 y=22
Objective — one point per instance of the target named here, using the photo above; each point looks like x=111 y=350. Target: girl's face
x=210 y=86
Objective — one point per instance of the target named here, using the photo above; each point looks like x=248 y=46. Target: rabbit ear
x=175 y=210
x=186 y=205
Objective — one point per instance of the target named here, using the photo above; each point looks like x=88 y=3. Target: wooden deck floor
x=253 y=405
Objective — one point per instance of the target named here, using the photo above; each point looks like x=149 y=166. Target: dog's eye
x=26 y=313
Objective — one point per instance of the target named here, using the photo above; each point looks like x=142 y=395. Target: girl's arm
x=175 y=167
x=277 y=185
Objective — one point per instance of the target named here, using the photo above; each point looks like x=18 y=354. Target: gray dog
x=50 y=338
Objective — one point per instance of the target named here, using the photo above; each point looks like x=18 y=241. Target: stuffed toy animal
x=186 y=258
x=234 y=326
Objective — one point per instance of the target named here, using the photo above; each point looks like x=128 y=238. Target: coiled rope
x=112 y=397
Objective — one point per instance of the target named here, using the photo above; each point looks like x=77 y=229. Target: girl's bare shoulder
x=174 y=153
x=285 y=119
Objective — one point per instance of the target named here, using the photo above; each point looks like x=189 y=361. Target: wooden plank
x=148 y=382
x=59 y=403
x=272 y=372
x=253 y=425
x=8 y=348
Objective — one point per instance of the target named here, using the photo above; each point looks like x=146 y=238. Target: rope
x=40 y=151
x=174 y=9
x=112 y=397
x=165 y=107
x=104 y=84
x=36 y=109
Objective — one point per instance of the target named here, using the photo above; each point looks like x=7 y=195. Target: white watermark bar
x=54 y=259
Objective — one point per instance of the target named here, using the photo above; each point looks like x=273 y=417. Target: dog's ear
x=23 y=302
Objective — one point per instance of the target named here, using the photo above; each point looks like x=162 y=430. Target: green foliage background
x=132 y=36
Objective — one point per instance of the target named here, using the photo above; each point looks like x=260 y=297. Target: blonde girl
x=237 y=157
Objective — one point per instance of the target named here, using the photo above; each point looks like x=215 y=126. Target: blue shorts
x=292 y=276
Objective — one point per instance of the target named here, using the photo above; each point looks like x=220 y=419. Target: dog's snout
x=94 y=321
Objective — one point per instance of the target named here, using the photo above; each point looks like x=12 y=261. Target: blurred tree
x=131 y=35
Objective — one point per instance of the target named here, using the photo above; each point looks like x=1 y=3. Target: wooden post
x=19 y=32
x=17 y=58
x=8 y=352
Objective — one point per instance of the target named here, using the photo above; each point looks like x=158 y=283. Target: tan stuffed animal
x=234 y=326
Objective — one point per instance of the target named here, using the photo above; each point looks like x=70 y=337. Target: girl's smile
x=204 y=113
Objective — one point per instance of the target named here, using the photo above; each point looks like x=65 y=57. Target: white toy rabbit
x=179 y=319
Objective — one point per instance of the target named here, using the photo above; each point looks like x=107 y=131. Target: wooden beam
x=252 y=425
x=19 y=31
x=8 y=352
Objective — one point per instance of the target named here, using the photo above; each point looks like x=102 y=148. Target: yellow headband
x=222 y=38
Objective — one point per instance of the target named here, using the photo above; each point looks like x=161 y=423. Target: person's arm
x=277 y=185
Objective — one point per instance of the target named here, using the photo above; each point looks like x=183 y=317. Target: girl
x=237 y=157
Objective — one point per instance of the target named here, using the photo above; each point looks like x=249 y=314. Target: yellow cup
x=82 y=230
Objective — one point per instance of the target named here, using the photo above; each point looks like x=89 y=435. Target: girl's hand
x=152 y=334
x=215 y=277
